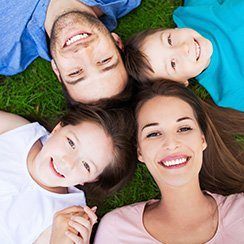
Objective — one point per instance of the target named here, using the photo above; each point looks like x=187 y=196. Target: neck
x=186 y=204
x=57 y=8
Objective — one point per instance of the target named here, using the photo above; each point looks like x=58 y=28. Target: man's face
x=86 y=59
x=177 y=54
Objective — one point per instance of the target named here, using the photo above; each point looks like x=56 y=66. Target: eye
x=77 y=72
x=173 y=64
x=169 y=40
x=184 y=129
x=153 y=134
x=86 y=165
x=71 y=143
x=104 y=61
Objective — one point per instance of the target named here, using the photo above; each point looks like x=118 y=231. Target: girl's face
x=73 y=155
x=170 y=141
x=177 y=54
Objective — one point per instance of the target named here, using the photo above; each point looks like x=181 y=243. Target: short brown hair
x=223 y=160
x=136 y=62
x=119 y=124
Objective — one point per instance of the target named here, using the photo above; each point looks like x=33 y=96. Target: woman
x=190 y=151
x=41 y=171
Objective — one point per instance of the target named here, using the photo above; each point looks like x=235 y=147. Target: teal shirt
x=221 y=22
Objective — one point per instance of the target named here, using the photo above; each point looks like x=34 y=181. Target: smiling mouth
x=55 y=169
x=197 y=49
x=175 y=163
x=80 y=37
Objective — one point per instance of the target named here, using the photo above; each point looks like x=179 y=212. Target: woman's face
x=73 y=155
x=170 y=142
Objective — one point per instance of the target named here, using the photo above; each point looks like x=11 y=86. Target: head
x=179 y=143
x=171 y=141
x=87 y=146
x=86 y=57
x=173 y=54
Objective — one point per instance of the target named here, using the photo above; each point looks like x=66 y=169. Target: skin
x=90 y=68
x=69 y=155
x=71 y=149
x=167 y=127
x=173 y=54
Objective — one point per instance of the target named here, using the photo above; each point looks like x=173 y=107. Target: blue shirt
x=22 y=32
x=221 y=22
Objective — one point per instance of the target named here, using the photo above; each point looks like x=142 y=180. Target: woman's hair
x=119 y=124
x=222 y=171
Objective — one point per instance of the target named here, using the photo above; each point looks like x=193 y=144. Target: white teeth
x=55 y=167
x=174 y=162
x=76 y=38
x=197 y=49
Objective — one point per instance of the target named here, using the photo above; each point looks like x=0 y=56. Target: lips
x=197 y=49
x=55 y=169
x=77 y=37
x=175 y=161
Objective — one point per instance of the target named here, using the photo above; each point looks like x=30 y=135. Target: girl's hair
x=223 y=160
x=119 y=125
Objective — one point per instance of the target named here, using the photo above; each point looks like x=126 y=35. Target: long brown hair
x=119 y=124
x=223 y=160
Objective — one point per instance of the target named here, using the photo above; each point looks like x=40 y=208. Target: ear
x=139 y=156
x=186 y=83
x=56 y=128
x=55 y=69
x=204 y=143
x=118 y=40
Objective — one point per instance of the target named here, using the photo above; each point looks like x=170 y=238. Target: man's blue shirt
x=221 y=22
x=22 y=33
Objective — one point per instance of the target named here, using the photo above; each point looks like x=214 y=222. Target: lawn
x=36 y=94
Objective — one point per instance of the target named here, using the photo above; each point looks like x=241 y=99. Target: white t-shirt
x=26 y=209
x=125 y=225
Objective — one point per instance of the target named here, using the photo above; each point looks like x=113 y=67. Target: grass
x=36 y=93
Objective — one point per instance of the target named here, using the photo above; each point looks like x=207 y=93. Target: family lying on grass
x=188 y=145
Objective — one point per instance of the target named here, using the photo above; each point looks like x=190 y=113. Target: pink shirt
x=125 y=225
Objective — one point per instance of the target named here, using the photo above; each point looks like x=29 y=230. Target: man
x=85 y=55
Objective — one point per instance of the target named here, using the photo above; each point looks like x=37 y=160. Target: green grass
x=36 y=93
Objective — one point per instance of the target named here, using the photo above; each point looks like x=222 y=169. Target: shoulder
x=120 y=222
x=231 y=208
x=9 y=121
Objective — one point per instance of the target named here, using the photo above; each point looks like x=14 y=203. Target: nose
x=184 y=49
x=68 y=162
x=170 y=143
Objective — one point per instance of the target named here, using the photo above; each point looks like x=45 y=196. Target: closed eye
x=153 y=134
x=75 y=73
x=184 y=129
x=86 y=165
x=104 y=61
x=71 y=143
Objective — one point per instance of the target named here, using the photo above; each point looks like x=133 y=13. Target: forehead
x=165 y=109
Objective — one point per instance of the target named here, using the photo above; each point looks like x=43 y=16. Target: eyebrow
x=106 y=69
x=149 y=125
x=155 y=124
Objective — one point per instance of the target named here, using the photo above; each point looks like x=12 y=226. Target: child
x=38 y=170
x=208 y=46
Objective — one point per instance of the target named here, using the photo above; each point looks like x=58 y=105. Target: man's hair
x=119 y=125
x=222 y=169
x=136 y=62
